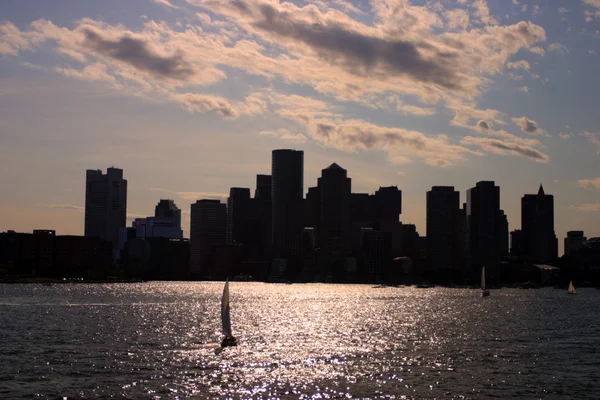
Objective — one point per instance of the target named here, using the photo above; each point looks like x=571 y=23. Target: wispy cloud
x=63 y=206
x=593 y=183
x=588 y=207
x=594 y=138
x=193 y=196
x=529 y=126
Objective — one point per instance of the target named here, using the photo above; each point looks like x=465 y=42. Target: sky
x=189 y=98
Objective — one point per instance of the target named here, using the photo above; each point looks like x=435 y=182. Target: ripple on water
x=161 y=340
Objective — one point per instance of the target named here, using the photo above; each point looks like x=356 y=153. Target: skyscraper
x=208 y=223
x=287 y=171
x=238 y=216
x=334 y=206
x=443 y=229
x=485 y=226
x=537 y=224
x=105 y=205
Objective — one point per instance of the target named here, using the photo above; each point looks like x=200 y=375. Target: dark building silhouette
x=239 y=216
x=263 y=221
x=516 y=245
x=287 y=171
x=574 y=241
x=45 y=254
x=263 y=188
x=334 y=206
x=444 y=240
x=208 y=226
x=105 y=205
x=487 y=229
x=537 y=224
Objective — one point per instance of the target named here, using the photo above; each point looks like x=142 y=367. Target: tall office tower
x=483 y=216
x=574 y=241
x=168 y=209
x=208 y=225
x=537 y=224
x=388 y=204
x=334 y=206
x=105 y=205
x=166 y=222
x=287 y=171
x=239 y=230
x=263 y=213
x=502 y=235
x=263 y=188
x=443 y=229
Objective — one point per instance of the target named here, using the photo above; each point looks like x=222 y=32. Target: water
x=160 y=340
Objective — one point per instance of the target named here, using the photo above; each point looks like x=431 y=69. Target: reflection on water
x=297 y=341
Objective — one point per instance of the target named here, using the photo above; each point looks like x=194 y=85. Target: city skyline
x=213 y=91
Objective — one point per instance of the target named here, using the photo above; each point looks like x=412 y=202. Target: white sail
x=225 y=318
x=571 y=289
x=483 y=278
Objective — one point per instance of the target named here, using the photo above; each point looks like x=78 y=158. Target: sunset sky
x=189 y=97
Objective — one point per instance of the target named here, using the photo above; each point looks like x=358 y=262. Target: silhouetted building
x=537 y=224
x=105 y=205
x=380 y=212
x=574 y=241
x=516 y=245
x=263 y=188
x=239 y=216
x=502 y=235
x=443 y=230
x=375 y=255
x=334 y=206
x=487 y=229
x=208 y=225
x=287 y=199
x=262 y=226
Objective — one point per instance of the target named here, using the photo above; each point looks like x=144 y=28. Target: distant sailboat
x=571 y=289
x=484 y=292
x=229 y=339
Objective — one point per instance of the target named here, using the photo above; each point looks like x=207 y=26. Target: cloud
x=285 y=135
x=565 y=136
x=562 y=10
x=93 y=72
x=483 y=125
x=538 y=50
x=482 y=12
x=558 y=48
x=589 y=207
x=524 y=89
x=193 y=196
x=63 y=206
x=593 y=183
x=206 y=103
x=592 y=52
x=500 y=147
x=529 y=126
x=594 y=138
x=140 y=54
x=401 y=145
x=522 y=64
x=165 y=3
x=591 y=14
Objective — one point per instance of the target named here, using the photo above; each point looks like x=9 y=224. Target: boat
x=229 y=339
x=484 y=293
x=571 y=289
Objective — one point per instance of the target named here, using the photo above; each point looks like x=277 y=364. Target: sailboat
x=229 y=339
x=484 y=292
x=571 y=289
